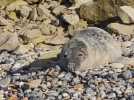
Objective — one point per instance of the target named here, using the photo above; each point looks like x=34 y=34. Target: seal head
x=72 y=55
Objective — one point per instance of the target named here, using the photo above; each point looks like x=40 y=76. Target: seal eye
x=80 y=55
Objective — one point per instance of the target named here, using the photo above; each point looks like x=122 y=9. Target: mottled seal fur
x=88 y=49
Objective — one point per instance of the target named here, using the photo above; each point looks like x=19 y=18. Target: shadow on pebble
x=39 y=64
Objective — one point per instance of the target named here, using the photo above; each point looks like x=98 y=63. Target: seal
x=88 y=49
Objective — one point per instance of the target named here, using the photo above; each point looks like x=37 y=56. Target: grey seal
x=88 y=49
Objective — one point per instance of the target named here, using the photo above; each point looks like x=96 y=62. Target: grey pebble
x=53 y=93
x=127 y=74
x=68 y=77
x=111 y=95
x=5 y=82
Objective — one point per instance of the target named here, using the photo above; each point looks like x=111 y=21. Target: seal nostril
x=65 y=56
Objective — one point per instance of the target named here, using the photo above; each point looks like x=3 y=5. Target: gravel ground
x=53 y=84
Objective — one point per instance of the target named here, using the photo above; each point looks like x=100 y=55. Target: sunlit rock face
x=102 y=10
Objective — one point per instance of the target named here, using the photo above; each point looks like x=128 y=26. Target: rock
x=72 y=19
x=126 y=44
x=53 y=73
x=126 y=14
x=79 y=88
x=57 y=38
x=112 y=95
x=22 y=49
x=19 y=64
x=25 y=11
x=25 y=98
x=121 y=29
x=52 y=93
x=76 y=27
x=90 y=92
x=3 y=21
x=4 y=3
x=78 y=3
x=13 y=97
x=1 y=95
x=32 y=33
x=33 y=14
x=12 y=15
x=68 y=77
x=6 y=58
x=8 y=41
x=117 y=65
x=102 y=93
x=36 y=94
x=5 y=67
x=129 y=90
x=59 y=10
x=47 y=29
x=47 y=51
x=16 y=5
x=98 y=12
x=33 y=1
x=66 y=96
x=38 y=40
x=127 y=74
x=53 y=4
x=44 y=12
x=34 y=83
x=4 y=83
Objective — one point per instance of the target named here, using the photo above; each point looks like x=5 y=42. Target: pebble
x=90 y=92
x=32 y=1
x=4 y=83
x=58 y=10
x=111 y=95
x=103 y=94
x=25 y=11
x=3 y=21
x=117 y=65
x=127 y=74
x=65 y=95
x=68 y=77
x=79 y=88
x=60 y=76
x=33 y=14
x=76 y=80
x=34 y=83
x=44 y=12
x=52 y=93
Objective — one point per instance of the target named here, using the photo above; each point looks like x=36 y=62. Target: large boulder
x=121 y=29
x=4 y=3
x=126 y=14
x=8 y=41
x=101 y=10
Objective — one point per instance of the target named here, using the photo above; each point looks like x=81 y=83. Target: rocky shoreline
x=33 y=32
